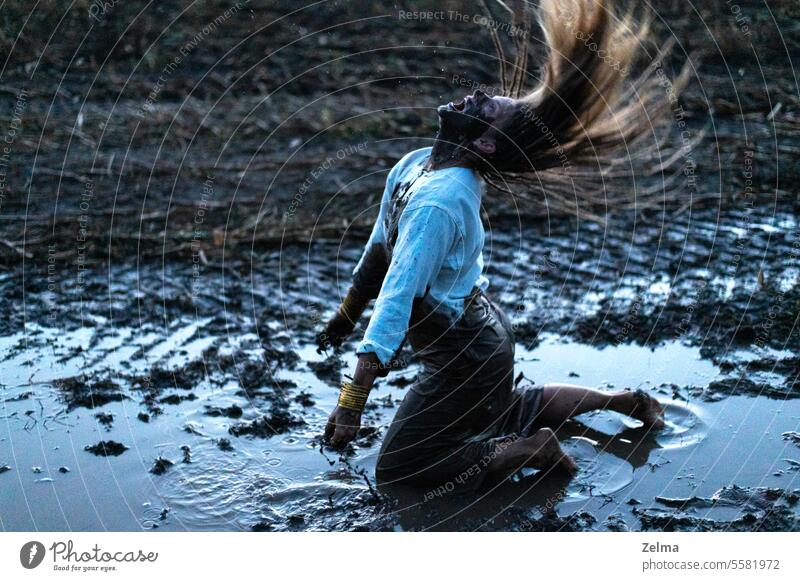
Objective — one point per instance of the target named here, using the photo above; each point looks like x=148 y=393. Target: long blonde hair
x=588 y=116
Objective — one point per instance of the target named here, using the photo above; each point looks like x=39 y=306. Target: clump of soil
x=576 y=522
x=192 y=428
x=175 y=399
x=745 y=386
x=792 y=437
x=277 y=421
x=106 y=448
x=254 y=373
x=82 y=391
x=328 y=370
x=232 y=411
x=304 y=399
x=161 y=465
x=105 y=419
x=185 y=377
x=762 y=509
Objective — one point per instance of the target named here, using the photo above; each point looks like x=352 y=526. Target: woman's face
x=478 y=110
x=468 y=120
x=481 y=103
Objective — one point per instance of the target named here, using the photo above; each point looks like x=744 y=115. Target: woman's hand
x=343 y=425
x=335 y=332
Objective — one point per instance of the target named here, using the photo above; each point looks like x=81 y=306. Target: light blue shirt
x=438 y=252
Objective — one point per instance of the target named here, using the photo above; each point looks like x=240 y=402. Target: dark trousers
x=464 y=406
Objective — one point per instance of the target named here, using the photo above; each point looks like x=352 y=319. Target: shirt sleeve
x=370 y=271
x=426 y=235
x=371 y=268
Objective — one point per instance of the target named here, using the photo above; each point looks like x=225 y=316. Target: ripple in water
x=604 y=467
x=684 y=426
x=601 y=473
x=240 y=491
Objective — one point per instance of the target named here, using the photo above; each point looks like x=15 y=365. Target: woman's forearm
x=353 y=305
x=354 y=394
x=367 y=369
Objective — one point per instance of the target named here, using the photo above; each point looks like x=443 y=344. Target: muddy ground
x=163 y=275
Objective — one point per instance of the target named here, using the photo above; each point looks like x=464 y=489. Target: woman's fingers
x=342 y=427
x=336 y=440
x=342 y=436
x=330 y=427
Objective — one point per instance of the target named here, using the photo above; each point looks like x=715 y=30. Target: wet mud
x=162 y=284
x=729 y=509
x=207 y=413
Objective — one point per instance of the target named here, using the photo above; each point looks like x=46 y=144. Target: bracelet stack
x=353 y=305
x=353 y=397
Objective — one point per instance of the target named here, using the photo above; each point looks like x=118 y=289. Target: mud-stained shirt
x=429 y=228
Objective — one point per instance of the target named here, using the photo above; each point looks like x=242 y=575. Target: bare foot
x=647 y=410
x=547 y=453
x=541 y=451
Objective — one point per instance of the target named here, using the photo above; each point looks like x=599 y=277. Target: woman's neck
x=433 y=165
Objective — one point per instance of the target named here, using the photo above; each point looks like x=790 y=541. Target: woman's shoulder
x=455 y=187
x=454 y=190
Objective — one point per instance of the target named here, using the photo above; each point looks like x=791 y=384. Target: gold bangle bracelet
x=353 y=397
x=352 y=306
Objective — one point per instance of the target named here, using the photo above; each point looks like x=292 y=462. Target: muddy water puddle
x=122 y=429
x=735 y=445
x=162 y=398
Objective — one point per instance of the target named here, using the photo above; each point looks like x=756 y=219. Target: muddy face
x=463 y=121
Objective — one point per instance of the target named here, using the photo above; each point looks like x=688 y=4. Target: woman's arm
x=426 y=234
x=371 y=269
x=344 y=422
x=367 y=280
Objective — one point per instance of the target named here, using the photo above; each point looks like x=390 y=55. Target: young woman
x=423 y=263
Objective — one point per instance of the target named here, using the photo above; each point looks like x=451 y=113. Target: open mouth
x=459 y=105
